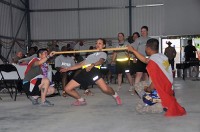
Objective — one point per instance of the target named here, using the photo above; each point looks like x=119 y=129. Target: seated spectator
x=30 y=55
x=64 y=61
x=16 y=58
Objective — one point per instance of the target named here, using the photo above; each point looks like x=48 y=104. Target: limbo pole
x=82 y=51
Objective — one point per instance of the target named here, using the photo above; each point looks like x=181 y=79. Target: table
x=21 y=69
x=186 y=65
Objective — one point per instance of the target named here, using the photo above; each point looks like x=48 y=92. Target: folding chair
x=13 y=81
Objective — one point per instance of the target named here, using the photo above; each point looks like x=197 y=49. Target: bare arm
x=100 y=62
x=137 y=54
x=77 y=66
x=149 y=88
x=27 y=59
x=43 y=60
x=114 y=57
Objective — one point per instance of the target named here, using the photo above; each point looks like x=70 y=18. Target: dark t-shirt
x=190 y=52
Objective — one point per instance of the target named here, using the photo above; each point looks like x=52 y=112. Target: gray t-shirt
x=121 y=54
x=62 y=61
x=140 y=44
x=93 y=58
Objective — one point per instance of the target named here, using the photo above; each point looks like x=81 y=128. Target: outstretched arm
x=40 y=62
x=100 y=62
x=77 y=66
x=137 y=54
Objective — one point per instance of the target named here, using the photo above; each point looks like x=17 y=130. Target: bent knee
x=67 y=89
x=45 y=80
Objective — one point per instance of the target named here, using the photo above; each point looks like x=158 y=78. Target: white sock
x=81 y=99
x=115 y=95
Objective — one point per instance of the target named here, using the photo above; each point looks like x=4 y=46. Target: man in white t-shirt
x=64 y=61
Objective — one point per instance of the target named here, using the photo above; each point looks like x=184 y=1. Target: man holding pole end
x=160 y=74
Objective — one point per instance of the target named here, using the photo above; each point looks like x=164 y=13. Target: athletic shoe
x=47 y=103
x=79 y=103
x=34 y=101
x=118 y=100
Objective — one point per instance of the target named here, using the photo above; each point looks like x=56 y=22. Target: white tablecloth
x=13 y=75
x=21 y=69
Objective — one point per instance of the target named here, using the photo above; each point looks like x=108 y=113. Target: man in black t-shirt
x=190 y=51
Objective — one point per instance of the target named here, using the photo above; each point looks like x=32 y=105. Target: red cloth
x=164 y=89
x=30 y=65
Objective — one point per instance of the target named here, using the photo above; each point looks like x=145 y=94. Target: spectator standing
x=170 y=52
x=190 y=51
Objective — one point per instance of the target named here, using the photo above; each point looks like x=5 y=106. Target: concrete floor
x=101 y=114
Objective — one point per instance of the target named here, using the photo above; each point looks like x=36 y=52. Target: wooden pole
x=81 y=51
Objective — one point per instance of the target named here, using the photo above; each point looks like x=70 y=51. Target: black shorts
x=85 y=78
x=112 y=68
x=132 y=67
x=122 y=67
x=140 y=66
x=35 y=91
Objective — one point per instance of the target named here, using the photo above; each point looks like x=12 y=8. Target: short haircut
x=64 y=48
x=41 y=51
x=190 y=41
x=153 y=44
x=136 y=34
x=145 y=27
x=121 y=34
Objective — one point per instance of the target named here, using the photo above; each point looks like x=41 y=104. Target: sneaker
x=47 y=103
x=79 y=103
x=34 y=101
x=118 y=100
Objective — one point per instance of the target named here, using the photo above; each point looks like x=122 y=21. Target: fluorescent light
x=150 y=5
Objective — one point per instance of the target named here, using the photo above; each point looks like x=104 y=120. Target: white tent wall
x=10 y=19
x=91 y=19
x=17 y=19
x=5 y=21
x=171 y=18
x=182 y=17
x=54 y=25
x=17 y=2
x=145 y=14
x=52 y=4
x=103 y=23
